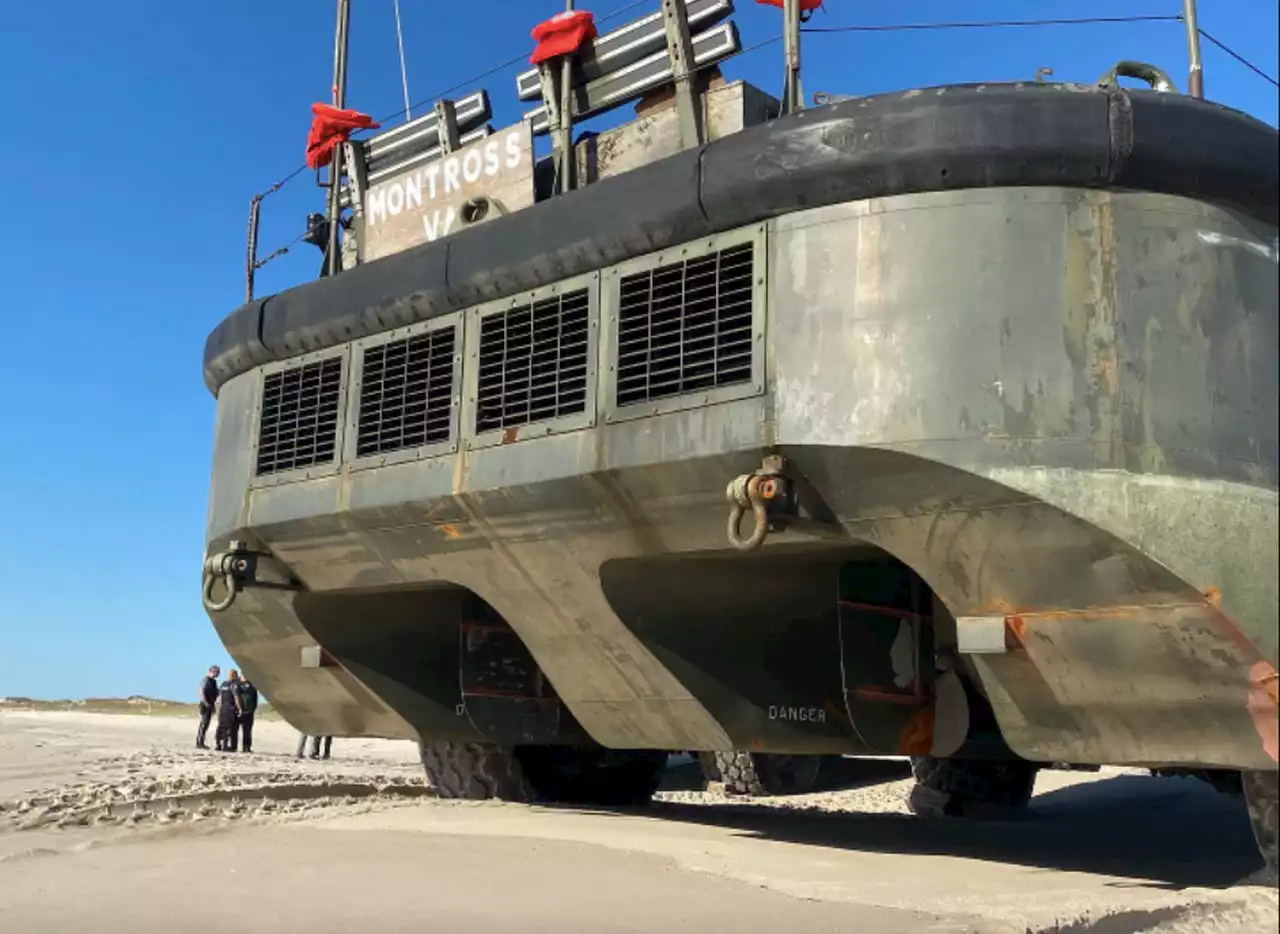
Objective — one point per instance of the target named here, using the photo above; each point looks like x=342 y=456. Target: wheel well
x=841 y=642
x=441 y=657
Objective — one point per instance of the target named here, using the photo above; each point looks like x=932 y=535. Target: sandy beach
x=116 y=823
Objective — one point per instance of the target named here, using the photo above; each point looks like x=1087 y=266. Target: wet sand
x=115 y=823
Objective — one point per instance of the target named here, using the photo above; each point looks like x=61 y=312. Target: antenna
x=404 y=76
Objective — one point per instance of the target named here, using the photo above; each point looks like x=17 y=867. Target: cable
x=1241 y=59
x=457 y=87
x=497 y=69
x=998 y=24
x=404 y=75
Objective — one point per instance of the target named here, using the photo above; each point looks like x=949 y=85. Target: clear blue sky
x=137 y=131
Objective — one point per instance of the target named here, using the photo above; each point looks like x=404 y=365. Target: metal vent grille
x=533 y=362
x=406 y=393
x=299 y=423
x=686 y=327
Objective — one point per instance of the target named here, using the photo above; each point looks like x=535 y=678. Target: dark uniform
x=228 y=694
x=248 y=706
x=208 y=698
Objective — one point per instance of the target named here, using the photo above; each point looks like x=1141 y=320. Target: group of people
x=235 y=701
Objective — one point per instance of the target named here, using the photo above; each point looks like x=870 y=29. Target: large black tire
x=1262 y=795
x=475 y=772
x=483 y=771
x=956 y=787
x=759 y=774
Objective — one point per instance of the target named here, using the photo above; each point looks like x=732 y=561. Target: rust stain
x=1263 y=705
x=1015 y=628
x=917 y=735
x=997 y=607
x=1100 y=613
x=1210 y=610
x=510 y=435
x=449 y=531
x=756 y=744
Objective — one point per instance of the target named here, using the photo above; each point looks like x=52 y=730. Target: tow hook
x=757 y=492
x=230 y=567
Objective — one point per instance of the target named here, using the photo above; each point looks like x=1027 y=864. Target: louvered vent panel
x=406 y=393
x=533 y=362
x=299 y=424
x=686 y=327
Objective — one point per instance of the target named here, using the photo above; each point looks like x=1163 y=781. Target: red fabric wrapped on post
x=331 y=127
x=563 y=34
x=806 y=6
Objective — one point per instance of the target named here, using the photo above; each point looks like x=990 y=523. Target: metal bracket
x=555 y=101
x=447 y=116
x=981 y=635
x=314 y=656
x=675 y=19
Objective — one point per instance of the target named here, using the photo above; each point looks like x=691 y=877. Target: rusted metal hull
x=1057 y=407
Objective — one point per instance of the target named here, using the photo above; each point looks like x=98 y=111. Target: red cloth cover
x=329 y=128
x=563 y=34
x=805 y=5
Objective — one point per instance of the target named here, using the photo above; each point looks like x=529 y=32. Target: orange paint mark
x=880 y=695
x=1015 y=628
x=917 y=735
x=1264 y=706
x=449 y=531
x=1214 y=596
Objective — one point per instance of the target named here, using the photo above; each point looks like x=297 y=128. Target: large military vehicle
x=938 y=424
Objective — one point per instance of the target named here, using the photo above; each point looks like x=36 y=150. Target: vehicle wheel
x=954 y=787
x=474 y=771
x=760 y=774
x=1262 y=795
x=603 y=777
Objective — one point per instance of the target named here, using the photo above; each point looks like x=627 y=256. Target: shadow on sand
x=1168 y=833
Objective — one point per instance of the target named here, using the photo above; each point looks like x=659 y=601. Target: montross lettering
x=416 y=190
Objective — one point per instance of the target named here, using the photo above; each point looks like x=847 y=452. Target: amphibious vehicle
x=939 y=424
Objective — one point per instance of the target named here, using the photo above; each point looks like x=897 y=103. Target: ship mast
x=792 y=94
x=339 y=101
x=1195 y=71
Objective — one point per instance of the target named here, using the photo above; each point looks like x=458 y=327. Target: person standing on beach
x=228 y=712
x=208 y=698
x=315 y=746
x=248 y=707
